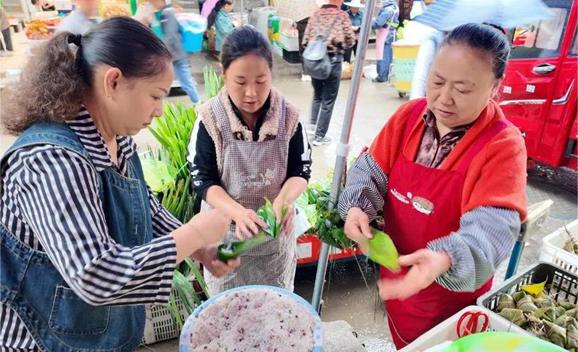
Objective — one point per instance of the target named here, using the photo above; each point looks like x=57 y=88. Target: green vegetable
x=232 y=250
x=167 y=174
x=382 y=250
x=213 y=82
x=573 y=313
x=322 y=214
x=267 y=213
x=518 y=295
x=567 y=305
x=571 y=337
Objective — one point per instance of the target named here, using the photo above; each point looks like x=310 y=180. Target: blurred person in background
x=386 y=24
x=222 y=21
x=355 y=13
x=81 y=19
x=332 y=22
x=166 y=26
x=43 y=5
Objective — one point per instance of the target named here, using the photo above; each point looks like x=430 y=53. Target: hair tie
x=75 y=39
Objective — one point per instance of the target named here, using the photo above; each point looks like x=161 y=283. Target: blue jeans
x=183 y=74
x=384 y=65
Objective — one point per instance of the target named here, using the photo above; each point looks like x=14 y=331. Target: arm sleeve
x=365 y=188
x=163 y=222
x=485 y=238
x=224 y=25
x=299 y=158
x=384 y=15
x=59 y=200
x=204 y=168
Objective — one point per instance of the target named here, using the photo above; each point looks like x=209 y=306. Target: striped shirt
x=50 y=202
x=484 y=239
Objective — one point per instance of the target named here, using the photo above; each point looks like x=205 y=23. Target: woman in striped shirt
x=83 y=243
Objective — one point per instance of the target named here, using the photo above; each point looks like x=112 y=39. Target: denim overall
x=56 y=317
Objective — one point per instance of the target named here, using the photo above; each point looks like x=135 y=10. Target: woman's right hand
x=247 y=223
x=357 y=225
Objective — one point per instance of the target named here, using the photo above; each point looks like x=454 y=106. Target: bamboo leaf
x=174 y=309
x=198 y=276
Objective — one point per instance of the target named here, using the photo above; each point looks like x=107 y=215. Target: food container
x=197 y=317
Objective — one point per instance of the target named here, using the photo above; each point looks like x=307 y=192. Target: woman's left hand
x=208 y=257
x=287 y=222
x=426 y=266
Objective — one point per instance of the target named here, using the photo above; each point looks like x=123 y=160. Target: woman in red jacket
x=449 y=173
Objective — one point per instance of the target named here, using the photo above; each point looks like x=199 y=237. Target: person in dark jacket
x=329 y=20
x=355 y=12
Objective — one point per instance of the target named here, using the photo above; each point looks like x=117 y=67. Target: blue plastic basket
x=185 y=343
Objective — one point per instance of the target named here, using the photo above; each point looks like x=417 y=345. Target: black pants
x=347 y=55
x=324 y=96
x=7 y=40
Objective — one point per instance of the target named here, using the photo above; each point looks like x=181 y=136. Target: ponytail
x=50 y=89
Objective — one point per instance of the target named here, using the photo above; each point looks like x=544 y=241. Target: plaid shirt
x=433 y=149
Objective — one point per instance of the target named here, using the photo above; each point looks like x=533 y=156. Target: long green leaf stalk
x=173 y=132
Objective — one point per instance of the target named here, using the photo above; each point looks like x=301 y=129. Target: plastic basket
x=159 y=323
x=184 y=345
x=446 y=330
x=553 y=252
x=559 y=284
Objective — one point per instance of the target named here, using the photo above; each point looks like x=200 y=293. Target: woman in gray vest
x=250 y=146
x=83 y=242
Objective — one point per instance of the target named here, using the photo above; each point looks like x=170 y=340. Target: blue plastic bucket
x=192 y=27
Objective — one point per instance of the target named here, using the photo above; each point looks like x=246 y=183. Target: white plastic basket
x=160 y=325
x=553 y=252
x=446 y=330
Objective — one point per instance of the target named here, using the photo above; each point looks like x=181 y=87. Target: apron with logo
x=251 y=172
x=424 y=204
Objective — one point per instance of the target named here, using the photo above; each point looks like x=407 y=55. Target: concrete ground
x=350 y=293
